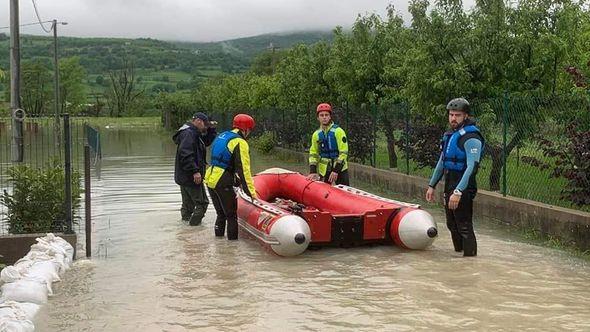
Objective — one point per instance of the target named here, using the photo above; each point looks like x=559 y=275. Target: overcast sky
x=194 y=20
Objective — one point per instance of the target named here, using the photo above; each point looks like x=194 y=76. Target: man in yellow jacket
x=230 y=158
x=328 y=154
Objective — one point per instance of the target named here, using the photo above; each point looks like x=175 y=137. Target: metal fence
x=44 y=149
x=516 y=130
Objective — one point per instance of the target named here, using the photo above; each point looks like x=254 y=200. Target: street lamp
x=56 y=81
x=56 y=68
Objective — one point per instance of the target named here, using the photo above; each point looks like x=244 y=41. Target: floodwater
x=151 y=272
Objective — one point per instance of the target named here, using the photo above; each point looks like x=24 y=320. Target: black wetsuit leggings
x=226 y=206
x=460 y=223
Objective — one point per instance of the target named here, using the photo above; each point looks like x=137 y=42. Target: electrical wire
x=24 y=25
x=39 y=18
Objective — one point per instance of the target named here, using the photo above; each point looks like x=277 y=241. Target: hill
x=160 y=65
x=249 y=47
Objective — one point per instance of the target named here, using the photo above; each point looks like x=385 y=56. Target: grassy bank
x=523 y=180
x=122 y=122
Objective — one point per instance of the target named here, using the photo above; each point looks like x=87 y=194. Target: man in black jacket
x=192 y=140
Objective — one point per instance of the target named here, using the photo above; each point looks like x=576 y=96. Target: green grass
x=533 y=236
x=125 y=122
x=523 y=180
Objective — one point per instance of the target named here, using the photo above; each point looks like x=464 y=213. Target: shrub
x=36 y=203
x=265 y=142
x=570 y=158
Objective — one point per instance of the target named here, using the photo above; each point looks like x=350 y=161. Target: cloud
x=195 y=20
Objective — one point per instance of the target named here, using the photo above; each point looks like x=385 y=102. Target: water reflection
x=162 y=275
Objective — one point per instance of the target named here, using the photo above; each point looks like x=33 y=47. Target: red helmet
x=323 y=107
x=243 y=122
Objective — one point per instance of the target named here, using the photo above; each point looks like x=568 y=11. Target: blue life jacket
x=220 y=154
x=454 y=157
x=328 y=143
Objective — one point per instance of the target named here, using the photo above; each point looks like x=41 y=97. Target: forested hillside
x=158 y=65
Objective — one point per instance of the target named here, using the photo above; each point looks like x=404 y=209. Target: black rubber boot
x=232 y=228
x=220 y=226
x=198 y=214
x=457 y=241
x=470 y=246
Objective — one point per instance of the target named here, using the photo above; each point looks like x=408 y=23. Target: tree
x=35 y=88
x=72 y=88
x=266 y=63
x=123 y=95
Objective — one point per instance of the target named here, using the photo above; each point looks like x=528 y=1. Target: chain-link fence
x=30 y=183
x=523 y=139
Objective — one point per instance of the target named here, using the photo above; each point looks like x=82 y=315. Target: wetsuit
x=459 y=161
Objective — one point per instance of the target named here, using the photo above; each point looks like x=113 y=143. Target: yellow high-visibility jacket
x=328 y=151
x=218 y=177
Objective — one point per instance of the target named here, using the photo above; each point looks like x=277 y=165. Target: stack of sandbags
x=28 y=283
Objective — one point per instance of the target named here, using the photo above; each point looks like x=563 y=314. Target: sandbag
x=52 y=239
x=10 y=274
x=44 y=270
x=11 y=324
x=24 y=290
x=17 y=317
x=20 y=309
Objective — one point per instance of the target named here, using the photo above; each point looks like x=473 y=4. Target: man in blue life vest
x=461 y=152
x=328 y=153
x=189 y=166
x=230 y=157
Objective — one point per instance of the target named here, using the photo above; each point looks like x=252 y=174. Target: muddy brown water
x=151 y=272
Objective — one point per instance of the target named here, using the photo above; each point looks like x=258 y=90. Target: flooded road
x=151 y=272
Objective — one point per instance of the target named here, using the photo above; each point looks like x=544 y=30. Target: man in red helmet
x=230 y=157
x=328 y=153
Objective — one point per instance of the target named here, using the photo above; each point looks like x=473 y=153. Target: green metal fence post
x=345 y=104
x=407 y=134
x=504 y=139
x=374 y=112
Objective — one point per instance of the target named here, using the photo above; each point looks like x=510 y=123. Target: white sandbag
x=51 y=238
x=10 y=274
x=24 y=290
x=11 y=324
x=58 y=244
x=44 y=270
x=17 y=317
x=33 y=257
x=19 y=309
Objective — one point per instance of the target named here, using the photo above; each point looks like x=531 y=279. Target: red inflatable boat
x=293 y=212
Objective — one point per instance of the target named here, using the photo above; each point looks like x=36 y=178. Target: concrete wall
x=568 y=225
x=14 y=246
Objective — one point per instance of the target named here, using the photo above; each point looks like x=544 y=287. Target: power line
x=39 y=17
x=27 y=24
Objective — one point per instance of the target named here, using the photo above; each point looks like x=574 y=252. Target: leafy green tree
x=265 y=63
x=36 y=88
x=72 y=88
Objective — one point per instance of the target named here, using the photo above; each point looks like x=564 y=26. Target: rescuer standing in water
x=461 y=151
x=230 y=158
